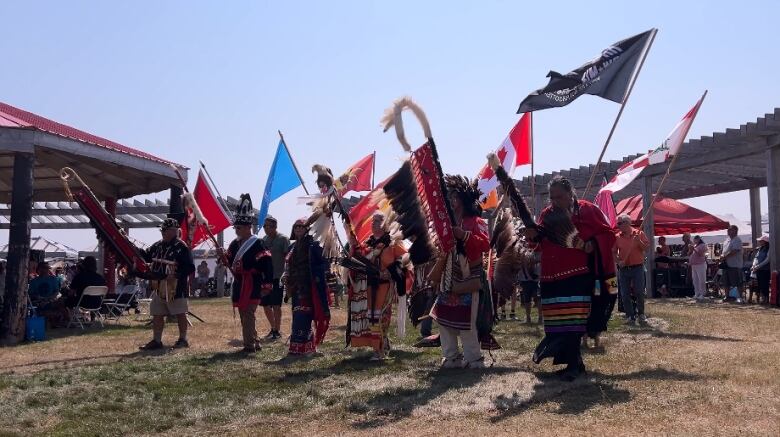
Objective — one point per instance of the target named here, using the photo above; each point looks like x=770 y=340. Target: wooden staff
x=674 y=159
x=620 y=113
x=220 y=253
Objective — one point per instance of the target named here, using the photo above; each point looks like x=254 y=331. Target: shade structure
x=672 y=217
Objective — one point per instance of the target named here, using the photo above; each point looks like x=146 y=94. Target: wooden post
x=109 y=257
x=12 y=325
x=175 y=208
x=648 y=226
x=773 y=194
x=755 y=214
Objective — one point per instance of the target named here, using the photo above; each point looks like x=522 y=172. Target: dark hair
x=661 y=238
x=89 y=264
x=565 y=184
x=467 y=191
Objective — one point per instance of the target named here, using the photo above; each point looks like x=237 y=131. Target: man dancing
x=170 y=269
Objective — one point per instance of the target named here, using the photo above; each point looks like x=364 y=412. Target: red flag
x=360 y=214
x=358 y=177
x=215 y=217
x=606 y=205
x=514 y=150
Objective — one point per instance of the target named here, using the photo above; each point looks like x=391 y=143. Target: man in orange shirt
x=629 y=253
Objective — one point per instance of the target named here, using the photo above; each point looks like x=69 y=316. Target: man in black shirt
x=86 y=276
x=170 y=266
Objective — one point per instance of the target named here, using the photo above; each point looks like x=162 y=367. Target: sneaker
x=181 y=343
x=152 y=345
x=249 y=349
x=512 y=316
x=630 y=321
x=270 y=335
x=478 y=364
x=642 y=319
x=275 y=335
x=451 y=363
x=377 y=357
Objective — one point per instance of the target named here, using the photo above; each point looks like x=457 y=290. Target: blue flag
x=282 y=178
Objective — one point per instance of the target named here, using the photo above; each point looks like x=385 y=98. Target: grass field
x=698 y=370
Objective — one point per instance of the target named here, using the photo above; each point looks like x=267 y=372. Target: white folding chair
x=116 y=308
x=84 y=312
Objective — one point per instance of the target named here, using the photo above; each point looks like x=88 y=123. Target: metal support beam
x=755 y=214
x=12 y=325
x=649 y=229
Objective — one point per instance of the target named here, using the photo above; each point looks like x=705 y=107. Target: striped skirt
x=565 y=307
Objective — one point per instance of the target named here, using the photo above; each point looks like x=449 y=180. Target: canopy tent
x=53 y=249
x=671 y=217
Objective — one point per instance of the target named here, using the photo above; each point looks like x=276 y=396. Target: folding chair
x=86 y=310
x=116 y=308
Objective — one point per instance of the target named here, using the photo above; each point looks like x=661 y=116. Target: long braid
x=557 y=223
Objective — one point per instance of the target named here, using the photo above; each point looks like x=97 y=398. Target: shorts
x=529 y=292
x=732 y=277
x=274 y=298
x=159 y=307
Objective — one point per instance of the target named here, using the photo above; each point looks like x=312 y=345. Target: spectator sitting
x=45 y=288
x=86 y=276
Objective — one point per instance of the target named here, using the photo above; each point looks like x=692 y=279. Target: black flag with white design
x=607 y=76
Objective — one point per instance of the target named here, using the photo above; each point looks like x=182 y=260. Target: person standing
x=733 y=261
x=529 y=283
x=761 y=268
x=203 y=279
x=698 y=264
x=304 y=282
x=170 y=270
x=575 y=243
x=630 y=256
x=457 y=304
x=271 y=302
x=371 y=309
x=252 y=269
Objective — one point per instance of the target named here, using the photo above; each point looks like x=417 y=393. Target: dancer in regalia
x=252 y=267
x=458 y=302
x=571 y=234
x=372 y=296
x=305 y=284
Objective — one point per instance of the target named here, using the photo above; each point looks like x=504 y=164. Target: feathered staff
x=511 y=254
x=556 y=226
x=393 y=118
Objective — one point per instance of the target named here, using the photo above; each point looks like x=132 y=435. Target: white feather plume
x=189 y=200
x=392 y=117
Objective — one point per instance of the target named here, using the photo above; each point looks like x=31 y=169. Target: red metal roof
x=15 y=117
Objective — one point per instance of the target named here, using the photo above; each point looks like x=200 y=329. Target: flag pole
x=211 y=181
x=284 y=143
x=674 y=158
x=619 y=114
x=373 y=170
x=533 y=178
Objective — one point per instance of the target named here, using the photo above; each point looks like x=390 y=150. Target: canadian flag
x=203 y=208
x=514 y=150
x=669 y=147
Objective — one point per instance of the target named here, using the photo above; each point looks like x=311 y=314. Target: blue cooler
x=36 y=329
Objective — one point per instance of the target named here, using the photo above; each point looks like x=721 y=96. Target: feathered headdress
x=324 y=176
x=244 y=215
x=467 y=191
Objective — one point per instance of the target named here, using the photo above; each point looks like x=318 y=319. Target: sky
x=214 y=81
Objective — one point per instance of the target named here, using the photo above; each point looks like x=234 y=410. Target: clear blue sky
x=213 y=81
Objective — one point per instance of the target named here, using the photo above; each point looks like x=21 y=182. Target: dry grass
x=699 y=370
